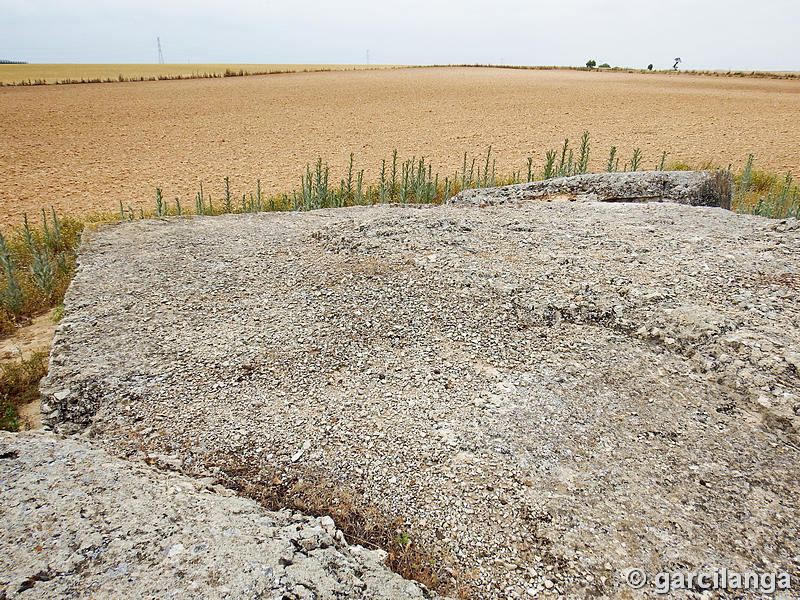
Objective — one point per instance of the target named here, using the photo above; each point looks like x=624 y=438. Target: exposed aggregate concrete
x=548 y=394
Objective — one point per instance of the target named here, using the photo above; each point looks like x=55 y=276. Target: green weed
x=19 y=385
x=36 y=266
x=636 y=160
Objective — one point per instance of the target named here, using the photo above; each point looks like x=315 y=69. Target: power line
x=160 y=53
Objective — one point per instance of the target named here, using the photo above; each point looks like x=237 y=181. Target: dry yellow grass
x=55 y=73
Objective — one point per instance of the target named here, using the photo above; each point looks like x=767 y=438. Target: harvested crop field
x=85 y=148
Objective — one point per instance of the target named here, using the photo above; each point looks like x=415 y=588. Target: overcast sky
x=713 y=34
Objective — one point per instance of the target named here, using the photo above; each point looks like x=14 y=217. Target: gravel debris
x=548 y=394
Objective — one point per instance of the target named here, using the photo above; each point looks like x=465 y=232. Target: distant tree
x=591 y=63
x=675 y=66
x=605 y=66
x=650 y=67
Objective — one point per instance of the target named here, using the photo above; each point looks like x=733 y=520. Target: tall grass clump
x=36 y=266
x=568 y=164
x=636 y=160
x=766 y=194
x=160 y=207
x=781 y=200
x=314 y=191
x=12 y=297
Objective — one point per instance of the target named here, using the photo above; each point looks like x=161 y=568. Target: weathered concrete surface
x=78 y=523
x=548 y=394
x=696 y=188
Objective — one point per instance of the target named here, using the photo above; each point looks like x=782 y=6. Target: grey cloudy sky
x=713 y=34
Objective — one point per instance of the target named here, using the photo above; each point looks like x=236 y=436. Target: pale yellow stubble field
x=55 y=73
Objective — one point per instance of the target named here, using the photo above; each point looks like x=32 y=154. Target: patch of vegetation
x=19 y=385
x=58 y=313
x=9 y=418
x=678 y=165
x=36 y=266
x=568 y=164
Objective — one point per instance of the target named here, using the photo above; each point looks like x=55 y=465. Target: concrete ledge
x=696 y=188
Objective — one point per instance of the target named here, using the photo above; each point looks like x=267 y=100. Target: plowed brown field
x=83 y=148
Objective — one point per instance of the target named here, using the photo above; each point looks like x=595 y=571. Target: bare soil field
x=85 y=148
